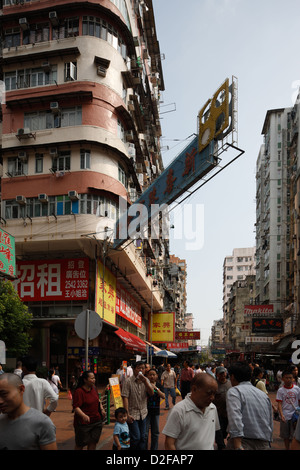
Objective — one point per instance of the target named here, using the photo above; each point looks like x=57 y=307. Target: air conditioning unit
x=24 y=131
x=22 y=156
x=23 y=23
x=101 y=71
x=53 y=152
x=54 y=106
x=43 y=198
x=129 y=136
x=21 y=200
x=73 y=195
x=53 y=18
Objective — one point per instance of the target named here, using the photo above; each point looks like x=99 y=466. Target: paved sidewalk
x=63 y=420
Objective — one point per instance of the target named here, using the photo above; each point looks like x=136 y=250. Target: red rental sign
x=58 y=279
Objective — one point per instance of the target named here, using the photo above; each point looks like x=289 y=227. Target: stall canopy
x=131 y=341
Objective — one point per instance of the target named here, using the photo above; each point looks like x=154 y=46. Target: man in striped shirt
x=249 y=410
x=135 y=392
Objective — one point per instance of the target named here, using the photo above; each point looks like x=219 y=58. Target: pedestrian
x=153 y=405
x=212 y=370
x=197 y=369
x=288 y=398
x=122 y=372
x=168 y=381
x=1 y=369
x=249 y=411
x=37 y=390
x=186 y=377
x=135 y=392
x=257 y=379
x=88 y=412
x=18 y=370
x=160 y=369
x=220 y=401
x=193 y=422
x=121 y=430
x=54 y=381
x=22 y=427
x=294 y=370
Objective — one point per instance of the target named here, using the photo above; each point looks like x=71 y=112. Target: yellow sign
x=163 y=327
x=106 y=294
x=116 y=391
x=214 y=116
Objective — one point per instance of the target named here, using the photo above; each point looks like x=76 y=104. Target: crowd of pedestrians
x=209 y=407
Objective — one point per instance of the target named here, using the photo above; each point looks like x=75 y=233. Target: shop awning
x=131 y=341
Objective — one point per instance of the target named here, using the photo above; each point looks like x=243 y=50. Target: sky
x=202 y=43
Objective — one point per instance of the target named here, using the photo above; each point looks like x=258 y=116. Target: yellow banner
x=106 y=300
x=116 y=391
x=163 y=327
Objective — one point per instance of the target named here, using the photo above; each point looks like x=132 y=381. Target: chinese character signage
x=186 y=335
x=183 y=173
x=127 y=307
x=60 y=279
x=163 y=327
x=7 y=254
x=267 y=325
x=258 y=310
x=181 y=346
x=258 y=339
x=106 y=294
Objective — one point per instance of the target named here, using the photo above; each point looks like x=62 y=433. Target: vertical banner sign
x=106 y=295
x=116 y=391
x=7 y=255
x=163 y=327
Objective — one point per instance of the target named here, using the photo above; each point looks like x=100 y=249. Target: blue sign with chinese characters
x=189 y=167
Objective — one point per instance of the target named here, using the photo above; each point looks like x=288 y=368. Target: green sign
x=7 y=255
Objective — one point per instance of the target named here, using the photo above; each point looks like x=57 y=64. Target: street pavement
x=63 y=420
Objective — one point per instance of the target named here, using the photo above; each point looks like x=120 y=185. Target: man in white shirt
x=37 y=390
x=193 y=422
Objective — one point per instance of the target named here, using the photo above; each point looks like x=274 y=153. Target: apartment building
x=80 y=130
x=236 y=267
x=273 y=212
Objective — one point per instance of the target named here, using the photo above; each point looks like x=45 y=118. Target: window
x=69 y=28
x=62 y=162
x=36 y=33
x=39 y=163
x=70 y=71
x=121 y=131
x=12 y=37
x=16 y=167
x=26 y=78
x=10 y=80
x=71 y=117
x=122 y=175
x=85 y=159
x=93 y=26
x=47 y=120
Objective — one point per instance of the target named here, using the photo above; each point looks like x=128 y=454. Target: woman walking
x=87 y=409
